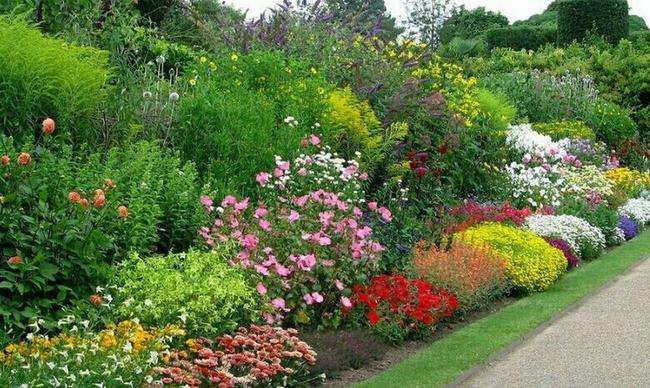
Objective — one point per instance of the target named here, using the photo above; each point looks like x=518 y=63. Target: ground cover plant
x=191 y=196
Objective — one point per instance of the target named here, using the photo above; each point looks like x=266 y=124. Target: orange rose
x=15 y=260
x=123 y=211
x=74 y=197
x=96 y=299
x=48 y=126
x=24 y=158
x=5 y=160
x=84 y=203
x=108 y=183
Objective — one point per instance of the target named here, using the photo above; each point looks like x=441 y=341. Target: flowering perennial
x=637 y=209
x=255 y=356
x=578 y=233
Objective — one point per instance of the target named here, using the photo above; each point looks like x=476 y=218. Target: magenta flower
x=306 y=262
x=263 y=178
x=314 y=140
x=228 y=200
x=260 y=212
x=308 y=299
x=261 y=288
x=385 y=214
x=242 y=205
x=264 y=224
x=294 y=216
x=324 y=240
x=279 y=304
x=206 y=201
x=345 y=301
x=262 y=270
x=250 y=241
x=301 y=201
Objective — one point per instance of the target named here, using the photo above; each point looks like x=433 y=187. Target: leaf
x=6 y=284
x=48 y=270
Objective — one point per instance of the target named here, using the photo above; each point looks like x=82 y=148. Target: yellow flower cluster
x=532 y=263
x=459 y=90
x=561 y=129
x=126 y=334
x=628 y=179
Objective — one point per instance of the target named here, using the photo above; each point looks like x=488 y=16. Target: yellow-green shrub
x=350 y=126
x=533 y=264
x=573 y=129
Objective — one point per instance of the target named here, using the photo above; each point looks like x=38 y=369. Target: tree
x=426 y=18
x=469 y=24
x=365 y=16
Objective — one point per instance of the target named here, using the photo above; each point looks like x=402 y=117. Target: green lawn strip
x=446 y=359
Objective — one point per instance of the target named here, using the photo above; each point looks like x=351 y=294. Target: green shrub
x=611 y=123
x=576 y=18
x=199 y=288
x=572 y=129
x=465 y=24
x=52 y=250
x=46 y=77
x=533 y=264
x=233 y=121
x=496 y=112
x=520 y=37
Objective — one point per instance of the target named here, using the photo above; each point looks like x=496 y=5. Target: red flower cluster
x=418 y=162
x=258 y=355
x=471 y=213
x=409 y=301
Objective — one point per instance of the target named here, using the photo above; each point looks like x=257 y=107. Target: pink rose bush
x=304 y=251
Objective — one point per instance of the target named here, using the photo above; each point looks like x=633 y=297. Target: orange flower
x=15 y=260
x=24 y=158
x=74 y=197
x=5 y=160
x=123 y=211
x=96 y=299
x=100 y=200
x=48 y=126
x=108 y=183
x=84 y=203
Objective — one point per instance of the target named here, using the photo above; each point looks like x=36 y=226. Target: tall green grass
x=43 y=77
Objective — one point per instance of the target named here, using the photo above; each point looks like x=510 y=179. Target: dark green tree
x=365 y=16
x=466 y=24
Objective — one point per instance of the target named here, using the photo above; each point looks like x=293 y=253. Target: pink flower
x=308 y=299
x=282 y=270
x=262 y=270
x=318 y=298
x=301 y=201
x=526 y=159
x=302 y=172
x=261 y=288
x=357 y=212
x=268 y=318
x=339 y=284
x=314 y=140
x=324 y=240
x=284 y=166
x=385 y=214
x=250 y=241
x=364 y=232
x=546 y=166
x=228 y=200
x=577 y=163
x=206 y=201
x=277 y=173
x=260 y=212
x=242 y=205
x=345 y=301
x=372 y=205
x=264 y=224
x=294 y=216
x=306 y=262
x=279 y=304
x=363 y=176
x=262 y=178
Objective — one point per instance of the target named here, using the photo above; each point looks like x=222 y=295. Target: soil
x=344 y=376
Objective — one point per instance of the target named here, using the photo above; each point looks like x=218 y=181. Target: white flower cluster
x=323 y=170
x=637 y=209
x=534 y=145
x=536 y=186
x=589 y=180
x=578 y=233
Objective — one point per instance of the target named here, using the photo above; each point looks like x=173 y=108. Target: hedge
x=576 y=18
x=520 y=37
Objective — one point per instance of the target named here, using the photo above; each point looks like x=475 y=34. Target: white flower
x=578 y=233
x=637 y=209
x=127 y=347
x=173 y=96
x=148 y=302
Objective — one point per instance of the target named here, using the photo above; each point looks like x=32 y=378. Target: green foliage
x=472 y=23
x=533 y=265
x=59 y=248
x=45 y=77
x=162 y=193
x=496 y=111
x=577 y=18
x=520 y=37
x=197 y=287
x=637 y=24
x=611 y=123
x=565 y=129
x=234 y=117
x=460 y=48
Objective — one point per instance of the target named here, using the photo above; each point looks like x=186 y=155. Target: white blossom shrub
x=584 y=239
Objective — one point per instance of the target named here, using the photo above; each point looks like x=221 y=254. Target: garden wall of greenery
x=186 y=195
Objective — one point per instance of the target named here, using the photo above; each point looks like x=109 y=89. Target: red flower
x=24 y=158
x=48 y=126
x=373 y=318
x=96 y=299
x=74 y=197
x=443 y=148
x=5 y=160
x=123 y=211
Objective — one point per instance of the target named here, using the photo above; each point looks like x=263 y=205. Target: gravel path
x=605 y=342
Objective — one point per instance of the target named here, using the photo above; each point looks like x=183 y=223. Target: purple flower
x=628 y=226
x=562 y=245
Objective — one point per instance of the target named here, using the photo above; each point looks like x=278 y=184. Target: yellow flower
x=313 y=70
x=192 y=81
x=234 y=57
x=203 y=59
